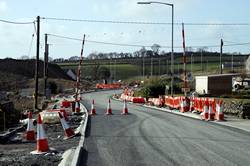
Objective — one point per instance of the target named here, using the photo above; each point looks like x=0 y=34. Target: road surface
x=155 y=138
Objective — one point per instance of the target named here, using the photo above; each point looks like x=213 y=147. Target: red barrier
x=108 y=86
x=138 y=100
x=184 y=104
x=66 y=104
x=219 y=110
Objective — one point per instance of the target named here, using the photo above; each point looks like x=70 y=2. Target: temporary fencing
x=219 y=111
x=184 y=104
x=66 y=104
x=108 y=86
x=132 y=99
x=172 y=102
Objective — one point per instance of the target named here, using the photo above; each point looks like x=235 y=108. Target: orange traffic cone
x=42 y=142
x=109 y=110
x=30 y=132
x=125 y=108
x=93 y=111
x=78 y=106
x=219 y=111
x=67 y=130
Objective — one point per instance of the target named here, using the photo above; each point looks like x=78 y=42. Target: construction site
x=98 y=88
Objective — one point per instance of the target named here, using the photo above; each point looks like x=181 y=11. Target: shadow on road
x=88 y=128
x=84 y=158
x=84 y=152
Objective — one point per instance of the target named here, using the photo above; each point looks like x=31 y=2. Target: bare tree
x=155 y=48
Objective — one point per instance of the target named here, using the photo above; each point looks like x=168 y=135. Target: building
x=214 y=84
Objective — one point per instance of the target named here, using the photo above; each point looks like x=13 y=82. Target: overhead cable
x=13 y=22
x=143 y=22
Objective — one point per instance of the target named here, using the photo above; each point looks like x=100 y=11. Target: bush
x=156 y=86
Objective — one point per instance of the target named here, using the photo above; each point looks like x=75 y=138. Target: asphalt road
x=155 y=138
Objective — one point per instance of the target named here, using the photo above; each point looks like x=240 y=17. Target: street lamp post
x=172 y=52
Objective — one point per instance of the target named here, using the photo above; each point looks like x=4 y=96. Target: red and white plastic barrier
x=219 y=111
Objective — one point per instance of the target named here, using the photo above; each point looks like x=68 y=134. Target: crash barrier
x=108 y=86
x=211 y=108
x=172 y=102
x=159 y=102
x=184 y=104
x=132 y=99
x=138 y=100
x=65 y=104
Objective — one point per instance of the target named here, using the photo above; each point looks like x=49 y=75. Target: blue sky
x=15 y=39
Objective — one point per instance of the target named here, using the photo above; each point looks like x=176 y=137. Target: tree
x=103 y=72
x=142 y=51
x=24 y=57
x=50 y=59
x=155 y=48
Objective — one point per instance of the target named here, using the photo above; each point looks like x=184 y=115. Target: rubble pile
x=237 y=109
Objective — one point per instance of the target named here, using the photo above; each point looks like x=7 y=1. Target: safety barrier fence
x=211 y=108
x=108 y=86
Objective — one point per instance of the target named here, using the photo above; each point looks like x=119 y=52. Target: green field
x=127 y=68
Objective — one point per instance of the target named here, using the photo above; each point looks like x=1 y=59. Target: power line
x=144 y=22
x=136 y=45
x=31 y=43
x=13 y=22
x=106 y=43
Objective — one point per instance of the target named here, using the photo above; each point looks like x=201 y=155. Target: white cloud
x=3 y=6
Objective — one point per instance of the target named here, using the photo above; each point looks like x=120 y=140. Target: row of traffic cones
x=109 y=110
x=42 y=142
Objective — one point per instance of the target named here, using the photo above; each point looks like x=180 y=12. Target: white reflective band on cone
x=64 y=124
x=30 y=125
x=40 y=132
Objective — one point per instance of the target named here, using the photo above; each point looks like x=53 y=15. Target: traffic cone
x=30 y=132
x=67 y=130
x=109 y=110
x=219 y=111
x=125 y=108
x=77 y=107
x=42 y=142
x=93 y=111
x=205 y=109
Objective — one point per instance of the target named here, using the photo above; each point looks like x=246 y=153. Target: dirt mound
x=27 y=68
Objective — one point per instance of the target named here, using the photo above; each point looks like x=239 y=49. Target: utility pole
x=79 y=70
x=115 y=71
x=167 y=66
x=45 y=68
x=143 y=66
x=201 y=60
x=207 y=67
x=232 y=63
x=221 y=51
x=37 y=63
x=159 y=66
x=151 y=66
x=191 y=68
x=185 y=86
